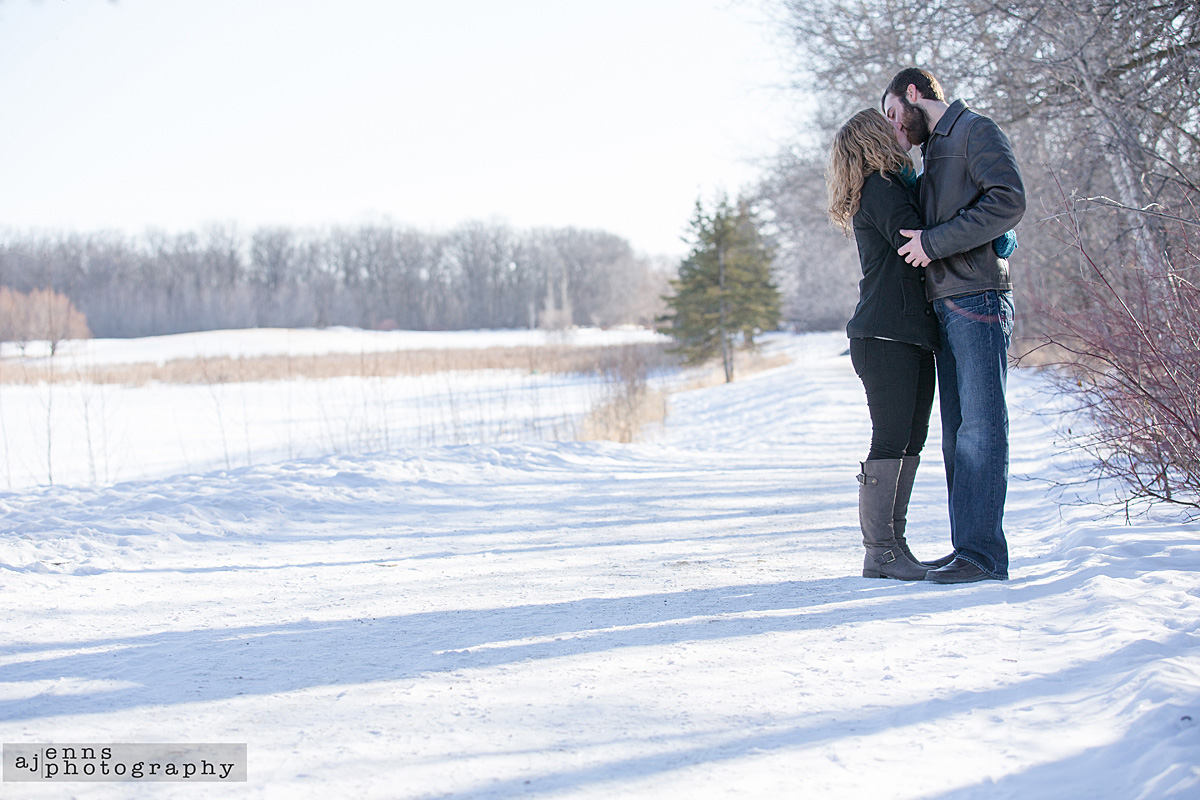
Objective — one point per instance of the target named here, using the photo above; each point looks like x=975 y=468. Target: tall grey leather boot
x=876 y=500
x=904 y=487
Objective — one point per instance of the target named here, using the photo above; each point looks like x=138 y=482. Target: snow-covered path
x=678 y=618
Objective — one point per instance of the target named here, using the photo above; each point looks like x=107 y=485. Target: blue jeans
x=972 y=371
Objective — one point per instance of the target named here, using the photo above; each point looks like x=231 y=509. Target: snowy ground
x=677 y=618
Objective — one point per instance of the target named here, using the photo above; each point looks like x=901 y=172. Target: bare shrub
x=41 y=315
x=627 y=402
x=1132 y=359
x=54 y=318
x=622 y=418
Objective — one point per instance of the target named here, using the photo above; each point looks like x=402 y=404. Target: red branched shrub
x=1132 y=359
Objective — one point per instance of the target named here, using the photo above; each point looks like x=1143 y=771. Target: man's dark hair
x=927 y=85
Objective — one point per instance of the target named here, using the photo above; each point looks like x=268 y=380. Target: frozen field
x=74 y=431
x=681 y=617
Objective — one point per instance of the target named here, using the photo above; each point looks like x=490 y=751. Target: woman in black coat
x=893 y=333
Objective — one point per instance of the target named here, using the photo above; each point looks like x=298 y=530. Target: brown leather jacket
x=971 y=193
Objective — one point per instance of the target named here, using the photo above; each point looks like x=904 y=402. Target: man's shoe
x=958 y=571
x=937 y=563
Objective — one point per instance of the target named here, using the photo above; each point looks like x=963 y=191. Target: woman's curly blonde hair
x=864 y=145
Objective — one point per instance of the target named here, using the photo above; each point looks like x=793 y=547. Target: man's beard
x=915 y=122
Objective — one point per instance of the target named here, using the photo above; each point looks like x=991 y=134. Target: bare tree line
x=478 y=275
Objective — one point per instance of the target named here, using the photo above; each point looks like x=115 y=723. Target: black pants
x=900 y=380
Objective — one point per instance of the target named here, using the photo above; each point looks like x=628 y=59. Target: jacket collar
x=946 y=123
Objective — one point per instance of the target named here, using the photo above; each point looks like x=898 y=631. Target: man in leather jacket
x=971 y=193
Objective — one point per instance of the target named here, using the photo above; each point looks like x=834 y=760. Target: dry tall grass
x=549 y=359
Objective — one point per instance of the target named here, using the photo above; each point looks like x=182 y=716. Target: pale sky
x=171 y=114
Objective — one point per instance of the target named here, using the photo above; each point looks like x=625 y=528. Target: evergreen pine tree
x=724 y=294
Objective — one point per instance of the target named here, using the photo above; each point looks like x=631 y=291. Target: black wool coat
x=891 y=294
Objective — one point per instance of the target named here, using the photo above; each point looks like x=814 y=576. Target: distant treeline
x=477 y=275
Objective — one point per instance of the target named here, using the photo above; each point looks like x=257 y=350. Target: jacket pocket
x=985 y=265
x=962 y=267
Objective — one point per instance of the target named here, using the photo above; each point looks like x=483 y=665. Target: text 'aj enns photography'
x=44 y=762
